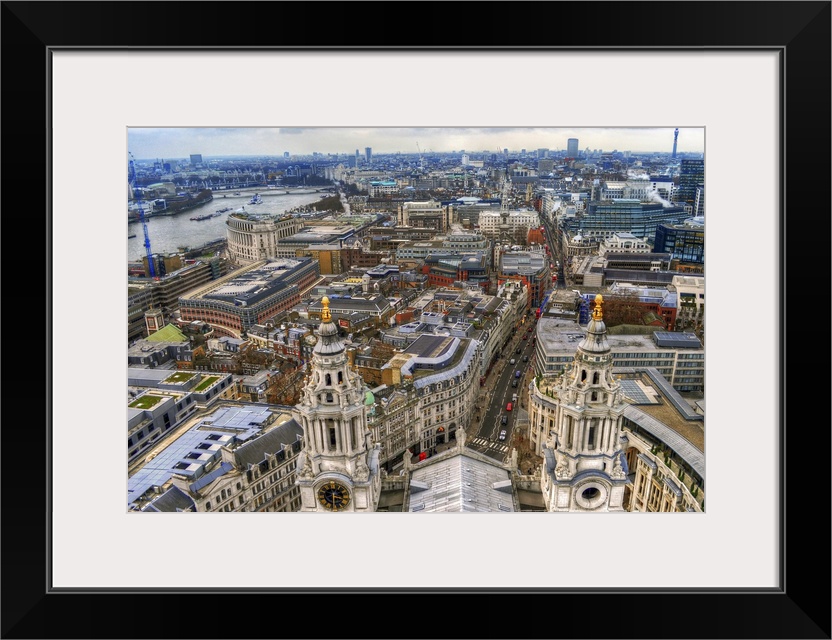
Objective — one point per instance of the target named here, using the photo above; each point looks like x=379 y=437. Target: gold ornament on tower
x=326 y=316
x=596 y=312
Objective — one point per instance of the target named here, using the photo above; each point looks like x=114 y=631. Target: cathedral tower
x=338 y=469
x=584 y=467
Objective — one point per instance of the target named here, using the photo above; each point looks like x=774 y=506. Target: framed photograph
x=754 y=75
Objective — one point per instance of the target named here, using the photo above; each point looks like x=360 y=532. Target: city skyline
x=180 y=142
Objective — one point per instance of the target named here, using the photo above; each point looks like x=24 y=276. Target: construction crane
x=137 y=194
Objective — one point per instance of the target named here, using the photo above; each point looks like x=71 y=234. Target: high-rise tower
x=572 y=147
x=338 y=469
x=691 y=177
x=584 y=468
x=675 y=138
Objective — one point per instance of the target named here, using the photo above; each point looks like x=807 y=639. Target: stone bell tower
x=338 y=469
x=584 y=468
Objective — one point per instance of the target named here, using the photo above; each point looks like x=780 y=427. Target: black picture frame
x=800 y=608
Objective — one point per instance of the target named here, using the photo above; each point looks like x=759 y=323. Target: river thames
x=168 y=233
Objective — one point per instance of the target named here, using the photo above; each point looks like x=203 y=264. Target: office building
x=572 y=147
x=691 y=177
x=685 y=241
x=251 y=295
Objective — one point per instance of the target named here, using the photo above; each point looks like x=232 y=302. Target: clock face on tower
x=333 y=496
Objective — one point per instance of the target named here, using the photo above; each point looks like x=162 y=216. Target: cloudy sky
x=172 y=143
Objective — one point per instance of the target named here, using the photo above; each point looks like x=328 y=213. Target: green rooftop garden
x=179 y=376
x=145 y=402
x=206 y=382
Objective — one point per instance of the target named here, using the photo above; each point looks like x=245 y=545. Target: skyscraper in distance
x=572 y=147
x=368 y=152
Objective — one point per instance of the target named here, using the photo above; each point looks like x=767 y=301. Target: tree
x=622 y=309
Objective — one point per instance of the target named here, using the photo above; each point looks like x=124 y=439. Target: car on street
x=518 y=350
x=514 y=383
x=503 y=434
x=526 y=337
x=504 y=420
x=509 y=406
x=525 y=358
x=512 y=361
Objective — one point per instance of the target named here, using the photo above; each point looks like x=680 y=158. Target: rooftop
x=460 y=483
x=190 y=452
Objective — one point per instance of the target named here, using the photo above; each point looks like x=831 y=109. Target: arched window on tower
x=330 y=425
x=328 y=380
x=583 y=375
x=340 y=377
x=595 y=379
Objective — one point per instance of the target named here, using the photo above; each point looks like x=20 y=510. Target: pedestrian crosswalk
x=485 y=443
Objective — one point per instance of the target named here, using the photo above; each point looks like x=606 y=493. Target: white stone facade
x=252 y=238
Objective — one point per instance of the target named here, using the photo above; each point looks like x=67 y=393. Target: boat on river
x=255 y=199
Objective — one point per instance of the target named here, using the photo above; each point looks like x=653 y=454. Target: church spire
x=584 y=471
x=338 y=468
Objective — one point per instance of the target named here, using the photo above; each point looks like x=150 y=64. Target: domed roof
x=369 y=398
x=330 y=343
x=596 y=331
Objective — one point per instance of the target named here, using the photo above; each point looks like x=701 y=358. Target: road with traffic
x=502 y=384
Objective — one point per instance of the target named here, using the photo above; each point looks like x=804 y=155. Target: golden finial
x=596 y=312
x=326 y=316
